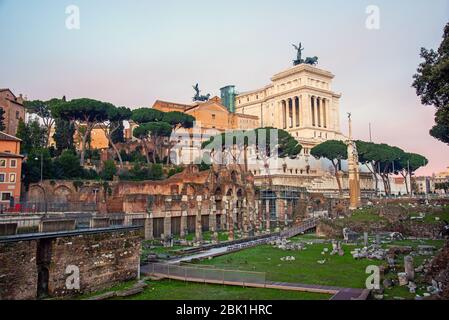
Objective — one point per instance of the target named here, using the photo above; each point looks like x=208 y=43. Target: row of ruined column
x=255 y=220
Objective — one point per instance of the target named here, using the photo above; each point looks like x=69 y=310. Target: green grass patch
x=336 y=271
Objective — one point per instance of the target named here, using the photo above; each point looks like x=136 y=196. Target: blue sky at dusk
x=134 y=52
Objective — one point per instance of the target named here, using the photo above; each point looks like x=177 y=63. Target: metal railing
x=207 y=274
x=45 y=207
x=13 y=224
x=304 y=226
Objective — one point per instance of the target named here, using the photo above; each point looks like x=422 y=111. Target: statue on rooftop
x=198 y=96
x=299 y=50
x=299 y=60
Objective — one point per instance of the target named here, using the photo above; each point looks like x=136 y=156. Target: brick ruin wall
x=104 y=259
x=18 y=272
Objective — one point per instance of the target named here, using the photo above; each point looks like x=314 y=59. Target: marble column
x=213 y=220
x=198 y=224
x=324 y=103
x=167 y=226
x=314 y=112
x=184 y=213
x=284 y=114
x=318 y=112
x=167 y=218
x=246 y=219
x=149 y=227
x=230 y=220
x=267 y=216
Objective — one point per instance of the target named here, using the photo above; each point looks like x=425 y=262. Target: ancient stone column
x=231 y=220
x=213 y=220
x=409 y=268
x=184 y=213
x=267 y=216
x=365 y=239
x=257 y=216
x=149 y=227
x=167 y=218
x=198 y=224
x=224 y=214
x=245 y=218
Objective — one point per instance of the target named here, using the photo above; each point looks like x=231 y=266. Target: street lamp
x=42 y=164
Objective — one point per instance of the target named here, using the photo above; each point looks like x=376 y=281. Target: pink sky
x=132 y=53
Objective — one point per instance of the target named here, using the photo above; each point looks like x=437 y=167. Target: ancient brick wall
x=18 y=273
x=103 y=260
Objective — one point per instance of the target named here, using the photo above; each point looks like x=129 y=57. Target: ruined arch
x=36 y=194
x=62 y=194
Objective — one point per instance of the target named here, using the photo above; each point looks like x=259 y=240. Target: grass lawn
x=178 y=290
x=336 y=271
x=365 y=215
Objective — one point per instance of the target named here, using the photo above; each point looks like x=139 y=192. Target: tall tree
x=63 y=136
x=177 y=120
x=432 y=85
x=115 y=119
x=84 y=113
x=335 y=151
x=32 y=135
x=408 y=164
x=267 y=144
x=142 y=117
x=44 y=110
x=153 y=132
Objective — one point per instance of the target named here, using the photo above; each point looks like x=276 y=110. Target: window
x=6 y=196
x=213 y=117
x=17 y=115
x=2 y=177
x=12 y=177
x=13 y=163
x=2 y=163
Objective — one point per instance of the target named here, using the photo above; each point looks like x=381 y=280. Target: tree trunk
x=145 y=149
x=376 y=178
x=340 y=191
x=89 y=127
x=117 y=152
x=406 y=184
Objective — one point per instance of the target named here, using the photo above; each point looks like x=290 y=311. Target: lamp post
x=42 y=165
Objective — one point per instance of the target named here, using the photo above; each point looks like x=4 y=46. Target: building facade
x=13 y=110
x=211 y=118
x=10 y=170
x=299 y=100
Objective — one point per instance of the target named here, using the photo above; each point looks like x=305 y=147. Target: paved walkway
x=336 y=292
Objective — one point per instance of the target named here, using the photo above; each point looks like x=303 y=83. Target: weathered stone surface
x=439 y=271
x=103 y=260
x=18 y=272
